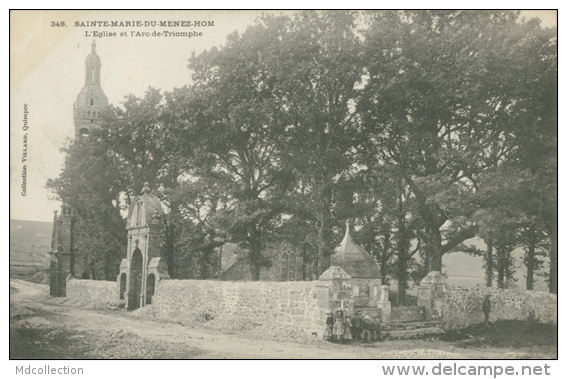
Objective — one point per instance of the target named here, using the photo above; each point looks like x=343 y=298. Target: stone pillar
x=384 y=304
x=431 y=293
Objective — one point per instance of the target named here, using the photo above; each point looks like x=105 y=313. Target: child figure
x=367 y=329
x=328 y=335
x=347 y=337
x=338 y=327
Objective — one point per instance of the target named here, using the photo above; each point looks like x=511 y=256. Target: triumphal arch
x=143 y=266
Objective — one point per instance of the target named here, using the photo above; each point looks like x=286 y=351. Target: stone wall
x=93 y=293
x=462 y=306
x=303 y=305
x=245 y=305
x=407 y=313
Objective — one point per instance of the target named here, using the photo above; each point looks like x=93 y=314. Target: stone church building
x=87 y=115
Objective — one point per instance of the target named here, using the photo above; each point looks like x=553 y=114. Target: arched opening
x=122 y=285
x=136 y=278
x=150 y=288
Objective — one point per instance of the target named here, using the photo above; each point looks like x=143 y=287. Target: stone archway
x=137 y=268
x=145 y=228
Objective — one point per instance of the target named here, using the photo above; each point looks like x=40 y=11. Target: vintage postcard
x=284 y=185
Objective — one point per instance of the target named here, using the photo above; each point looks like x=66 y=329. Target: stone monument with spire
x=355 y=277
x=143 y=266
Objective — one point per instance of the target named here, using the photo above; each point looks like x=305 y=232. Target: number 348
x=57 y=23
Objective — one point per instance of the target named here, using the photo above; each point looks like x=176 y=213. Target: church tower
x=91 y=101
x=87 y=114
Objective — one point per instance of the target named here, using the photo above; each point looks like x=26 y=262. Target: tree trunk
x=530 y=259
x=436 y=258
x=203 y=267
x=169 y=244
x=303 y=254
x=316 y=266
x=324 y=237
x=403 y=249
x=384 y=257
x=402 y=280
x=553 y=260
x=501 y=266
x=489 y=262
x=254 y=267
x=403 y=245
x=427 y=257
x=255 y=253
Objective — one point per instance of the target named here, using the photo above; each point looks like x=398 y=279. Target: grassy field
x=30 y=243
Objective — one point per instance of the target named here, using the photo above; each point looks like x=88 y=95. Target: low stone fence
x=407 y=313
x=243 y=305
x=462 y=306
x=302 y=306
x=93 y=293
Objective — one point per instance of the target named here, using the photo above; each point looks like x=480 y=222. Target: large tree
x=145 y=141
x=521 y=190
x=231 y=134
x=442 y=96
x=315 y=69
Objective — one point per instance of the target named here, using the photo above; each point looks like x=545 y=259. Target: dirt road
x=40 y=329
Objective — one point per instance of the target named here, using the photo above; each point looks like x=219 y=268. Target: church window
x=92 y=102
x=91 y=121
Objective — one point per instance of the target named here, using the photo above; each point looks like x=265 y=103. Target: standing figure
x=377 y=329
x=486 y=309
x=339 y=327
x=356 y=326
x=348 y=335
x=328 y=335
x=367 y=329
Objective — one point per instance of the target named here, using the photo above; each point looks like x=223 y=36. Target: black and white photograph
x=285 y=185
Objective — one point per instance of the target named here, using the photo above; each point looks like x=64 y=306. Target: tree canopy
x=423 y=128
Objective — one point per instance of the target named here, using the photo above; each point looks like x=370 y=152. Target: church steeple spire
x=92 y=67
x=91 y=101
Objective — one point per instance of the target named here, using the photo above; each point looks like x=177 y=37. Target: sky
x=47 y=73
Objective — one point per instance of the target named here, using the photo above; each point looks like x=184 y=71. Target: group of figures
x=341 y=328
